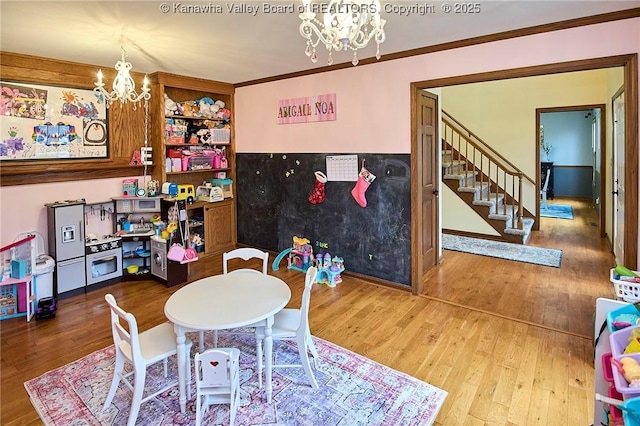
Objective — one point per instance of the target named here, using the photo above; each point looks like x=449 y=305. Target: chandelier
x=124 y=88
x=347 y=25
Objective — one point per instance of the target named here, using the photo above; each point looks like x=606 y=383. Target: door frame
x=614 y=187
x=603 y=149
x=628 y=62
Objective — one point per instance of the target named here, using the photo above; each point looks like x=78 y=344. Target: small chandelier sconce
x=347 y=25
x=124 y=88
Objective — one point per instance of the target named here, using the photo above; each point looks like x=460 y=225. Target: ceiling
x=236 y=46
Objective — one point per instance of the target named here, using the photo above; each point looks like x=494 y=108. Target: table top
x=227 y=301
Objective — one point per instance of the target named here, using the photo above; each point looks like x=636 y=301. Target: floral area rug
x=558 y=211
x=502 y=250
x=353 y=390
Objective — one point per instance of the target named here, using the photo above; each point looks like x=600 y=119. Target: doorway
x=630 y=65
x=575 y=138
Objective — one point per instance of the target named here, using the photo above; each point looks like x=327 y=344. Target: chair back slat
x=309 y=279
x=215 y=369
x=124 y=337
x=245 y=253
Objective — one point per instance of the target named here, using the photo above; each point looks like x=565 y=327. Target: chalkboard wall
x=272 y=198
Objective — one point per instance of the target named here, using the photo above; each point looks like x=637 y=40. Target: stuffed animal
x=189 y=108
x=170 y=106
x=203 y=136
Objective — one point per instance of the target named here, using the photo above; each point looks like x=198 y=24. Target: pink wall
x=373 y=107
x=22 y=207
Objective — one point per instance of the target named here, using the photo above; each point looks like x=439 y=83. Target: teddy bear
x=170 y=106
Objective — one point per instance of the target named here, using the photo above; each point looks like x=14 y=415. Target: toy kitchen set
x=98 y=244
x=82 y=259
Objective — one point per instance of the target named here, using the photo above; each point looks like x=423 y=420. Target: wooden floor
x=511 y=342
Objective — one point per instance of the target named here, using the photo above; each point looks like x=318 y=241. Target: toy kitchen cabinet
x=133 y=222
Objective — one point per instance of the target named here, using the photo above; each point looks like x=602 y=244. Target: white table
x=222 y=302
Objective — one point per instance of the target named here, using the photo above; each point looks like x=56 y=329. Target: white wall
x=569 y=133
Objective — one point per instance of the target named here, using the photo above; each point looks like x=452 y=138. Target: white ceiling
x=235 y=47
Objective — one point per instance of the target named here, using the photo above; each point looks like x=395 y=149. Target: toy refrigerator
x=65 y=220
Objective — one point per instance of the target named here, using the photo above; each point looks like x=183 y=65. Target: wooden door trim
x=630 y=64
x=416 y=197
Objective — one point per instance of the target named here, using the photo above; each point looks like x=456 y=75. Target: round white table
x=226 y=301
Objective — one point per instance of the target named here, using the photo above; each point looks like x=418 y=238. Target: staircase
x=485 y=181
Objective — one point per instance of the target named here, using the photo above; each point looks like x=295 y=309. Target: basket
x=628 y=291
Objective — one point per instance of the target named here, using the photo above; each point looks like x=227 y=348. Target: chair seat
x=286 y=322
x=158 y=341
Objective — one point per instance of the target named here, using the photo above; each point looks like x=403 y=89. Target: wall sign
x=307 y=110
x=47 y=122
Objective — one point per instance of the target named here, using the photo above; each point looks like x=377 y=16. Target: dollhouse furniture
x=140 y=350
x=17 y=290
x=217 y=381
x=293 y=324
x=223 y=302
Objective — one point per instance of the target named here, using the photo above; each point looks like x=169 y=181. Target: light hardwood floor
x=511 y=342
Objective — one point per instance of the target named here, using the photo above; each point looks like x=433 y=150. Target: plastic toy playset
x=300 y=257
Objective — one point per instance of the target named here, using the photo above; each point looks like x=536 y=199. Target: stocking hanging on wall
x=365 y=177
x=318 y=193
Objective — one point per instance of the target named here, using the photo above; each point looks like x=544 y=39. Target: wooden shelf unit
x=219 y=219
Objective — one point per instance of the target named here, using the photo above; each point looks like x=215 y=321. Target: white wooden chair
x=543 y=191
x=217 y=381
x=140 y=350
x=246 y=254
x=293 y=324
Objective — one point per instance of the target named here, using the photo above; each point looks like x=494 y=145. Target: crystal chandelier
x=347 y=24
x=124 y=88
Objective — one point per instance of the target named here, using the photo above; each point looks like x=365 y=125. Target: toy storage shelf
x=217 y=221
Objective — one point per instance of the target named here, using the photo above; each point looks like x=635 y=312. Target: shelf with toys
x=192 y=129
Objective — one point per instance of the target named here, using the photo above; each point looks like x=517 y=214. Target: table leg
x=268 y=358
x=182 y=371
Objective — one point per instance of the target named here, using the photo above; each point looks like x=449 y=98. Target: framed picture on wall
x=51 y=123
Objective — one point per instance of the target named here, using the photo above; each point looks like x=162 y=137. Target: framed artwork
x=51 y=123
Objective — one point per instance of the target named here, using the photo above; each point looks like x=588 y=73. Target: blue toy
x=329 y=270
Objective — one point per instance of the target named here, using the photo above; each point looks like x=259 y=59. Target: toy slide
x=276 y=262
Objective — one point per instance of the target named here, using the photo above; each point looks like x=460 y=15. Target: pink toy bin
x=615 y=412
x=620 y=339
x=607 y=369
x=620 y=382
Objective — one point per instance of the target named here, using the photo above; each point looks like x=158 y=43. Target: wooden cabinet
x=217 y=221
x=544 y=166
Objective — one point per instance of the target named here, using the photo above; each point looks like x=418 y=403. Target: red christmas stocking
x=318 y=193
x=365 y=177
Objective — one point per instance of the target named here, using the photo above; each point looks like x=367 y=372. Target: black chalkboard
x=273 y=206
